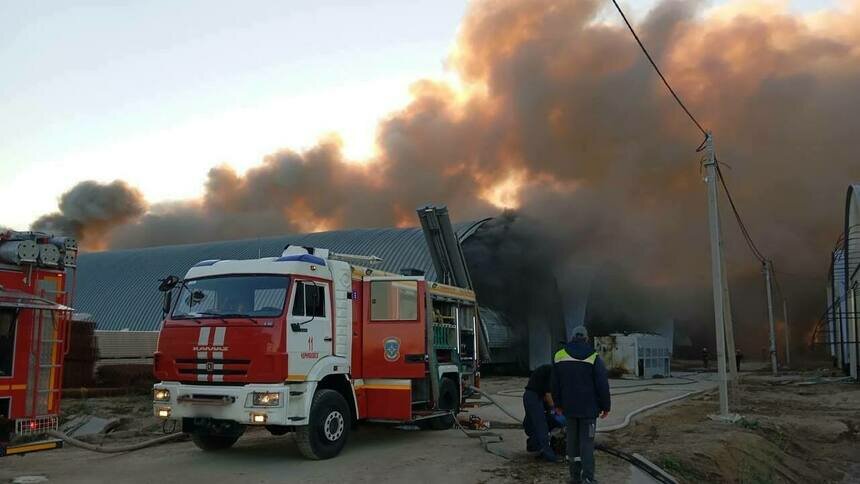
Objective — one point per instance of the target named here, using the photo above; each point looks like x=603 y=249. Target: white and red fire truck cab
x=310 y=343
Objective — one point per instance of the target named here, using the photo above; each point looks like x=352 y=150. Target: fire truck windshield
x=245 y=296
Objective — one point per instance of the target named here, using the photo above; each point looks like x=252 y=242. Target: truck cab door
x=309 y=326
x=394 y=330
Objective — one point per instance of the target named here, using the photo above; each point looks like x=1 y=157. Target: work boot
x=549 y=456
x=531 y=445
x=576 y=472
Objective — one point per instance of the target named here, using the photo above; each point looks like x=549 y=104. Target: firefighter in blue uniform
x=580 y=388
x=537 y=400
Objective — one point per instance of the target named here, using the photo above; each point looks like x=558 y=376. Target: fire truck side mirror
x=168 y=283
x=168 y=299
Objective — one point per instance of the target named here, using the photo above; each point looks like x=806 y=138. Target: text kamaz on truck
x=309 y=342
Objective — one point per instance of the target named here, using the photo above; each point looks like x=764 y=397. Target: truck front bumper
x=234 y=403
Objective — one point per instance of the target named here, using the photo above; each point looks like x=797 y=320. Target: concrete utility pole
x=766 y=268
x=729 y=325
x=787 y=333
x=717 y=273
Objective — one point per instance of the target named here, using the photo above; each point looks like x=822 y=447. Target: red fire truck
x=34 y=325
x=311 y=342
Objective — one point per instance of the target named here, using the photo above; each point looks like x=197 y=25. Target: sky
x=159 y=92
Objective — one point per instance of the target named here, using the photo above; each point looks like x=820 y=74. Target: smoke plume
x=90 y=210
x=561 y=117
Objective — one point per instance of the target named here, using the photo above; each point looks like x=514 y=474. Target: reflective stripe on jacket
x=561 y=355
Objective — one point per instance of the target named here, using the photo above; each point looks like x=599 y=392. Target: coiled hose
x=119 y=449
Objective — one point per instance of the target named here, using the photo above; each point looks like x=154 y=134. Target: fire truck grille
x=215 y=366
x=217 y=361
x=198 y=371
x=36 y=425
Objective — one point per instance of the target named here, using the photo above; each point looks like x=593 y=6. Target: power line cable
x=654 y=65
x=744 y=231
x=743 y=228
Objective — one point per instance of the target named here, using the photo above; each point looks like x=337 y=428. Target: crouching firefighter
x=537 y=401
x=580 y=388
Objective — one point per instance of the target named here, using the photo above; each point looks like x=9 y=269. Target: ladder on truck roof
x=444 y=247
x=447 y=255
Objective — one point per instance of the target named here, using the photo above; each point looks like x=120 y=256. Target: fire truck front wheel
x=328 y=426
x=213 y=442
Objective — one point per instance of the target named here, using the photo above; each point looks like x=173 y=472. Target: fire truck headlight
x=161 y=395
x=267 y=399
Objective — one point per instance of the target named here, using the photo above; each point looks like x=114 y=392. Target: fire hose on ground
x=119 y=449
x=655 y=472
x=684 y=380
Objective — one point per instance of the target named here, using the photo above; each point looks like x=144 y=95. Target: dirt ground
x=801 y=427
x=137 y=423
x=133 y=410
x=525 y=469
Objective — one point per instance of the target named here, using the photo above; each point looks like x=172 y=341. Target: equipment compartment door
x=394 y=331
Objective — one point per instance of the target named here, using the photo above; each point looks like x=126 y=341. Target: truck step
x=21 y=449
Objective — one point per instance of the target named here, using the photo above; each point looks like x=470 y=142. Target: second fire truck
x=35 y=269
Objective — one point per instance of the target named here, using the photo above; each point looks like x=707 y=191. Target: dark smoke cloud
x=563 y=108
x=301 y=192
x=512 y=244
x=90 y=210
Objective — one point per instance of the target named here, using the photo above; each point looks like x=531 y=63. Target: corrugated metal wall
x=119 y=288
x=498 y=328
x=126 y=344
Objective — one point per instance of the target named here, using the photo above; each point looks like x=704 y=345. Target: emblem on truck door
x=310 y=354
x=391 y=348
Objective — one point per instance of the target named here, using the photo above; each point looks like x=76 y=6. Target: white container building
x=639 y=354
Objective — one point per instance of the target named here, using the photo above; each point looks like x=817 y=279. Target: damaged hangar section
x=519 y=304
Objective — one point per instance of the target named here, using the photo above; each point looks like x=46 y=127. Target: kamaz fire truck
x=35 y=269
x=311 y=342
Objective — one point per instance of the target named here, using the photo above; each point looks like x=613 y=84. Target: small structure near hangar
x=639 y=354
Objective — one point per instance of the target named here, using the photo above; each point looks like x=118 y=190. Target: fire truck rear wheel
x=449 y=399
x=328 y=426
x=213 y=442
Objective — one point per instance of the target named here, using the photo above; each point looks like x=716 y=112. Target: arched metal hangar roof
x=119 y=287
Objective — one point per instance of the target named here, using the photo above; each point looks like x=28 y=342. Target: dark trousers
x=580 y=443
x=535 y=422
